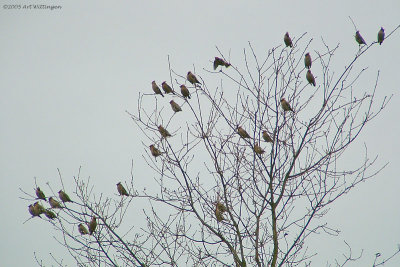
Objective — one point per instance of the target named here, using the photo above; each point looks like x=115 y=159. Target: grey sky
x=67 y=77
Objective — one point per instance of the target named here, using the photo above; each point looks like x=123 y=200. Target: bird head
x=151 y=146
x=119 y=183
x=172 y=101
x=309 y=71
x=163 y=82
x=287 y=34
x=283 y=99
x=307 y=54
x=382 y=29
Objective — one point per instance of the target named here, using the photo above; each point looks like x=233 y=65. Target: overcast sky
x=68 y=75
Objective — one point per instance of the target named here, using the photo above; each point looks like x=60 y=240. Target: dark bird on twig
x=38 y=209
x=121 y=190
x=285 y=105
x=40 y=194
x=156 y=89
x=381 y=36
x=175 y=107
x=92 y=225
x=185 y=91
x=164 y=133
x=64 y=197
x=167 y=89
x=242 y=132
x=154 y=151
x=32 y=211
x=266 y=137
x=287 y=40
x=359 y=38
x=310 y=77
x=49 y=214
x=54 y=203
x=307 y=61
x=82 y=229
x=192 y=78
x=220 y=62
x=258 y=149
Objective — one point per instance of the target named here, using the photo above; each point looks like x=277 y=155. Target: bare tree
x=246 y=167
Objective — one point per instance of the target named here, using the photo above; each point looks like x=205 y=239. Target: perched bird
x=285 y=105
x=32 y=211
x=121 y=190
x=63 y=196
x=167 y=89
x=258 y=149
x=381 y=36
x=220 y=62
x=191 y=78
x=164 y=133
x=49 y=214
x=82 y=229
x=219 y=214
x=185 y=91
x=266 y=137
x=307 y=61
x=38 y=209
x=287 y=40
x=156 y=89
x=54 y=203
x=359 y=38
x=221 y=206
x=40 y=194
x=310 y=77
x=175 y=107
x=154 y=151
x=92 y=225
x=242 y=132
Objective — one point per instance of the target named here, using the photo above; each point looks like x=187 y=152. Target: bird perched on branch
x=307 y=61
x=285 y=105
x=258 y=149
x=192 y=78
x=185 y=91
x=359 y=38
x=92 y=225
x=167 y=89
x=154 y=151
x=175 y=107
x=64 y=197
x=38 y=209
x=82 y=229
x=266 y=137
x=164 y=133
x=381 y=36
x=220 y=62
x=121 y=190
x=242 y=132
x=287 y=40
x=310 y=77
x=54 y=203
x=219 y=211
x=32 y=211
x=49 y=214
x=156 y=89
x=40 y=194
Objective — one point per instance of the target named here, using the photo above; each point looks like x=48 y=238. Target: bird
x=285 y=105
x=185 y=91
x=266 y=137
x=242 y=132
x=307 y=61
x=310 y=77
x=154 y=151
x=175 y=107
x=32 y=211
x=219 y=213
x=64 y=197
x=220 y=62
x=92 y=225
x=49 y=214
x=192 y=78
x=359 y=38
x=38 y=209
x=40 y=194
x=164 y=133
x=221 y=206
x=82 y=229
x=121 y=190
x=54 y=203
x=381 y=35
x=287 y=40
x=156 y=89
x=258 y=149
x=167 y=89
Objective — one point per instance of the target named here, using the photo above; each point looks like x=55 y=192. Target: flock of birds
x=37 y=209
x=221 y=62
